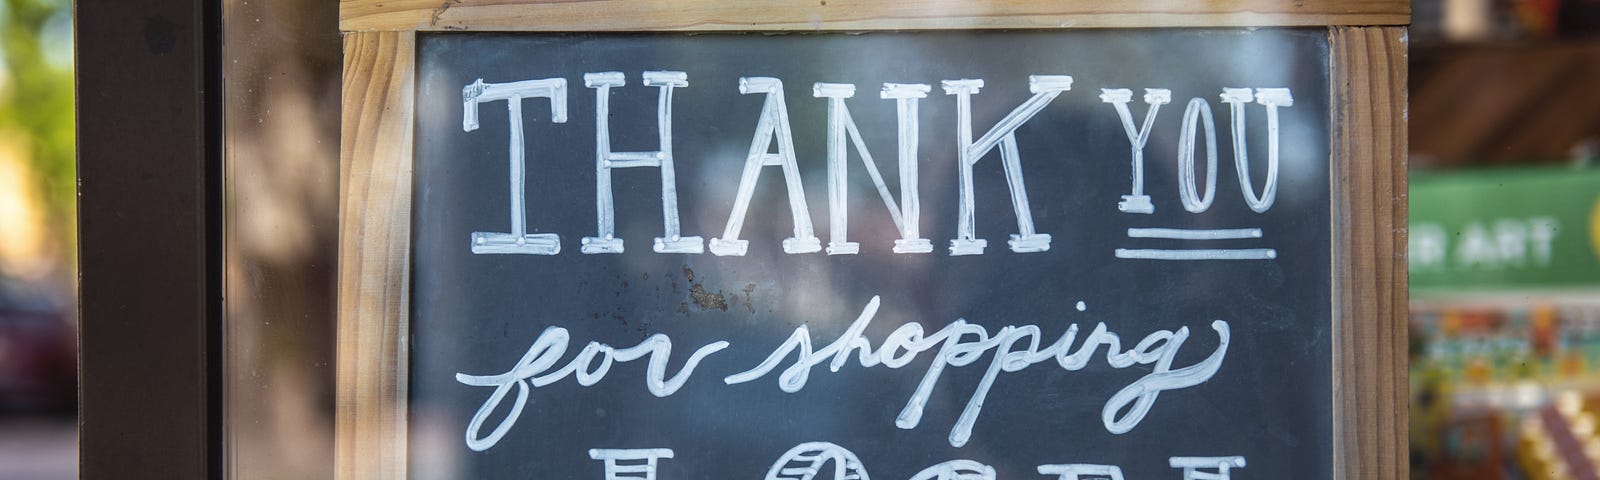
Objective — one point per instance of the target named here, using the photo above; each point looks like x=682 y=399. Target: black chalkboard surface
x=1098 y=311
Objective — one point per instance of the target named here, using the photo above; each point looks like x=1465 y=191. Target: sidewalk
x=38 y=448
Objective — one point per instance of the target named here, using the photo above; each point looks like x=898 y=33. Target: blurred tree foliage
x=36 y=107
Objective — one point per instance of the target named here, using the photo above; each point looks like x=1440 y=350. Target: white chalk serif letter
x=840 y=125
x=956 y=470
x=1045 y=88
x=774 y=122
x=1136 y=201
x=1272 y=98
x=630 y=463
x=605 y=241
x=555 y=89
x=806 y=462
x=1081 y=471
x=1193 y=466
x=1193 y=201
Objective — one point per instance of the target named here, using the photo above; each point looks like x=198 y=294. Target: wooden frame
x=1368 y=175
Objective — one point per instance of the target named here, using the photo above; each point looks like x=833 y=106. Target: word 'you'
x=773 y=127
x=809 y=460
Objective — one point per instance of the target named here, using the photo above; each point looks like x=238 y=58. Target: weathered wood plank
x=374 y=250
x=1369 y=263
x=716 y=15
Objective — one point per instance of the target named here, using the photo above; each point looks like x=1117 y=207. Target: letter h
x=606 y=241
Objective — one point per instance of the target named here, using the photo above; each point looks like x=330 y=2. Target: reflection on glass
x=281 y=63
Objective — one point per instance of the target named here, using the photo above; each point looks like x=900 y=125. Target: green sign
x=1493 y=229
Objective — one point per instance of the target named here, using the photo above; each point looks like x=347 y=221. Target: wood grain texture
x=1369 y=259
x=374 y=254
x=720 y=15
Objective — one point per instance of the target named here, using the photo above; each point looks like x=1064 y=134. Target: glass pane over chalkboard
x=281 y=68
x=993 y=254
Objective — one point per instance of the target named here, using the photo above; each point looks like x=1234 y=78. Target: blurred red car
x=38 y=353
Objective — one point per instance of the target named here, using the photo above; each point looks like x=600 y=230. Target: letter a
x=774 y=123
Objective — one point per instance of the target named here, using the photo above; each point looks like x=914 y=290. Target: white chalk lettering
x=774 y=122
x=1082 y=471
x=1045 y=88
x=1015 y=349
x=805 y=461
x=534 y=369
x=1199 y=234
x=956 y=470
x=1197 y=253
x=555 y=89
x=1272 y=98
x=773 y=126
x=1192 y=466
x=1136 y=201
x=1195 y=233
x=1192 y=200
x=672 y=241
x=905 y=100
x=841 y=125
x=630 y=464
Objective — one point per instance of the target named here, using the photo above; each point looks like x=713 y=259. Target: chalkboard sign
x=732 y=255
x=952 y=254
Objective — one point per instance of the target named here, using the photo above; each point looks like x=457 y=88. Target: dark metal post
x=149 y=176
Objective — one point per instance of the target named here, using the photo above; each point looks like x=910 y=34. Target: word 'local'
x=773 y=126
x=807 y=460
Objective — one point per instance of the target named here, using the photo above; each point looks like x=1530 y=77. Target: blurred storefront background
x=38 y=357
x=1504 y=128
x=1505 y=239
x=1504 y=251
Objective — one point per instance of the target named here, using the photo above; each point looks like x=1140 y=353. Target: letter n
x=842 y=129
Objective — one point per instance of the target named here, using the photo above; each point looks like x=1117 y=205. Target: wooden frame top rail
x=749 y=15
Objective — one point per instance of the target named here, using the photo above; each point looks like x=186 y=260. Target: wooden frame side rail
x=1370 y=296
x=374 y=254
x=1367 y=175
